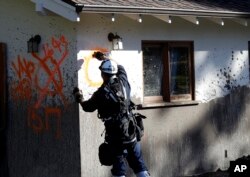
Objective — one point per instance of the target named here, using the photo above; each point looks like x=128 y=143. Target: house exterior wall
x=180 y=140
x=42 y=132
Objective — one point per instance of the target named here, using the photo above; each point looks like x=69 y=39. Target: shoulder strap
x=110 y=93
x=126 y=99
x=118 y=95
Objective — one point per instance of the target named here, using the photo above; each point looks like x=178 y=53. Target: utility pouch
x=106 y=154
x=139 y=125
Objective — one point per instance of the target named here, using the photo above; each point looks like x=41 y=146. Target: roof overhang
x=161 y=11
x=66 y=10
x=70 y=10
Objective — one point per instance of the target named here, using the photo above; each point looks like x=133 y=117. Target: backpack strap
x=127 y=102
x=110 y=93
x=119 y=96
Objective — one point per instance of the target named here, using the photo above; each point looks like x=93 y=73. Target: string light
x=78 y=18
x=169 y=19
x=222 y=22
x=140 y=19
x=113 y=18
x=197 y=21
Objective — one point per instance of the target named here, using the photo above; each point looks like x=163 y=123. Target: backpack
x=122 y=124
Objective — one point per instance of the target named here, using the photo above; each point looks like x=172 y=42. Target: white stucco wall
x=175 y=136
x=220 y=52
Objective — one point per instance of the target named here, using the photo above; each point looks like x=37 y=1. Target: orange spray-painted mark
x=23 y=66
x=34 y=120
x=87 y=60
x=54 y=113
x=54 y=74
x=45 y=78
x=87 y=77
x=22 y=90
x=40 y=125
x=24 y=70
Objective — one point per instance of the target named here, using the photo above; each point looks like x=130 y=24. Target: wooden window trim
x=190 y=46
x=166 y=97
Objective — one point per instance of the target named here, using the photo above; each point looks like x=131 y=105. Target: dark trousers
x=132 y=154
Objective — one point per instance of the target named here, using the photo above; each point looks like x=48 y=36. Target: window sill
x=148 y=105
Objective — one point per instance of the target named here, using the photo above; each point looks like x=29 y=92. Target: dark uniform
x=106 y=107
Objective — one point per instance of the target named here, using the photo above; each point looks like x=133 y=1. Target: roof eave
x=162 y=11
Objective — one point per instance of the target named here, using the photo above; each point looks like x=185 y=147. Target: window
x=168 y=71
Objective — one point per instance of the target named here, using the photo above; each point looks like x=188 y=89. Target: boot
x=142 y=174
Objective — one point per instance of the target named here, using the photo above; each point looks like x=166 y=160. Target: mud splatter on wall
x=230 y=78
x=225 y=74
x=42 y=127
x=39 y=79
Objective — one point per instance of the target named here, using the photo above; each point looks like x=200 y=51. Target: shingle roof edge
x=149 y=10
x=154 y=10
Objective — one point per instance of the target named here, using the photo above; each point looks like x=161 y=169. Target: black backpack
x=122 y=124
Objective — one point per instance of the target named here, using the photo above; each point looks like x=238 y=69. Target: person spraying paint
x=112 y=101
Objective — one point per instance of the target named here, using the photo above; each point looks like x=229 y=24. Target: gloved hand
x=78 y=95
x=98 y=55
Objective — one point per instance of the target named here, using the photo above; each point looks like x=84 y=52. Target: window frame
x=166 y=96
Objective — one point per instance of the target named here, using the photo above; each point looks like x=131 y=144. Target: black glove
x=78 y=95
x=98 y=55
